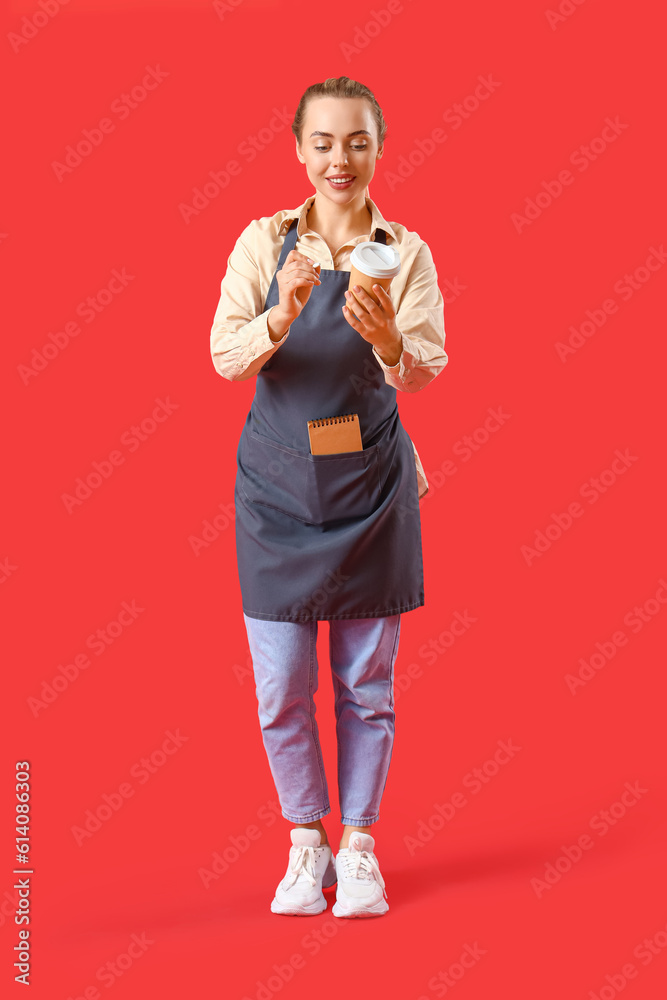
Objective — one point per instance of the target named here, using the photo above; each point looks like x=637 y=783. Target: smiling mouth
x=341 y=180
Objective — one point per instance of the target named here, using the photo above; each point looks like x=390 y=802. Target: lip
x=341 y=187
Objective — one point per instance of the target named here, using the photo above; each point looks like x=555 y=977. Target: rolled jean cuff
x=364 y=821
x=311 y=818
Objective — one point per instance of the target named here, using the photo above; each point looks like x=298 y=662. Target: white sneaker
x=361 y=891
x=310 y=867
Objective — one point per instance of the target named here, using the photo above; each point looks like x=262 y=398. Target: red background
x=182 y=664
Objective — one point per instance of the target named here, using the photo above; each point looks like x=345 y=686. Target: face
x=339 y=140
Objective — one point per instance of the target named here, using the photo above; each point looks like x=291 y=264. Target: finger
x=299 y=284
x=367 y=300
x=357 y=303
x=350 y=317
x=303 y=266
x=381 y=293
x=293 y=286
x=299 y=258
x=297 y=270
x=301 y=269
x=385 y=299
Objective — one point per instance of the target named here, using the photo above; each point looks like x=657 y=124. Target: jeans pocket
x=316 y=489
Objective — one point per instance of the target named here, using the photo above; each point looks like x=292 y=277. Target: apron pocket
x=316 y=489
x=344 y=485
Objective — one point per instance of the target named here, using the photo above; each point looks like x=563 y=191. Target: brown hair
x=340 y=87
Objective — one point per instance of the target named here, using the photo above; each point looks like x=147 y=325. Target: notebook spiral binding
x=325 y=421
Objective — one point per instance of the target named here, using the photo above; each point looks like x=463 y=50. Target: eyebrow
x=361 y=131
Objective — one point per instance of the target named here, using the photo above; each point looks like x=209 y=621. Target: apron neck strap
x=288 y=243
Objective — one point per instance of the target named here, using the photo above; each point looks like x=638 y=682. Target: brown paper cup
x=359 y=278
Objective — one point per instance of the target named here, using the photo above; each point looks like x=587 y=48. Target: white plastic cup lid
x=377 y=260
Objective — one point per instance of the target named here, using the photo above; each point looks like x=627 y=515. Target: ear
x=298 y=151
x=380 y=152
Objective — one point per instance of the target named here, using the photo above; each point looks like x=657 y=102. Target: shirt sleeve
x=240 y=341
x=420 y=319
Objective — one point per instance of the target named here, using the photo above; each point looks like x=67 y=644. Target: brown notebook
x=332 y=435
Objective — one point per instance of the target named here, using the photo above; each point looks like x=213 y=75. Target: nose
x=340 y=158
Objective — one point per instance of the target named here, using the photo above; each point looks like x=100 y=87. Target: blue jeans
x=362 y=652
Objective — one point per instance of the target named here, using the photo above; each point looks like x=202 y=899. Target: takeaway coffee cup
x=371 y=264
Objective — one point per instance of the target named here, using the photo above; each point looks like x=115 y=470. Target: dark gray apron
x=325 y=536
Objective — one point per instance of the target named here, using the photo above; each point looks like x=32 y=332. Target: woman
x=332 y=537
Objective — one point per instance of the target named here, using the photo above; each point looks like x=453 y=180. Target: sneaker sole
x=299 y=911
x=367 y=911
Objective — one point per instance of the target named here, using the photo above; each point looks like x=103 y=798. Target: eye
x=323 y=149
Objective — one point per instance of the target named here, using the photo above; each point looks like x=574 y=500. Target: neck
x=326 y=217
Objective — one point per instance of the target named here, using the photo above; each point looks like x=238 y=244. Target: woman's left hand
x=375 y=323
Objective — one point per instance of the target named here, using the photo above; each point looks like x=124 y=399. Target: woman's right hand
x=296 y=280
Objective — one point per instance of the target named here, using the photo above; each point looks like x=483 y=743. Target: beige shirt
x=240 y=341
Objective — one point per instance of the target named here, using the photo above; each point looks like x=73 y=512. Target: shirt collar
x=300 y=213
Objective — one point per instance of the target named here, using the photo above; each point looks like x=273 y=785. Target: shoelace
x=303 y=863
x=360 y=864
